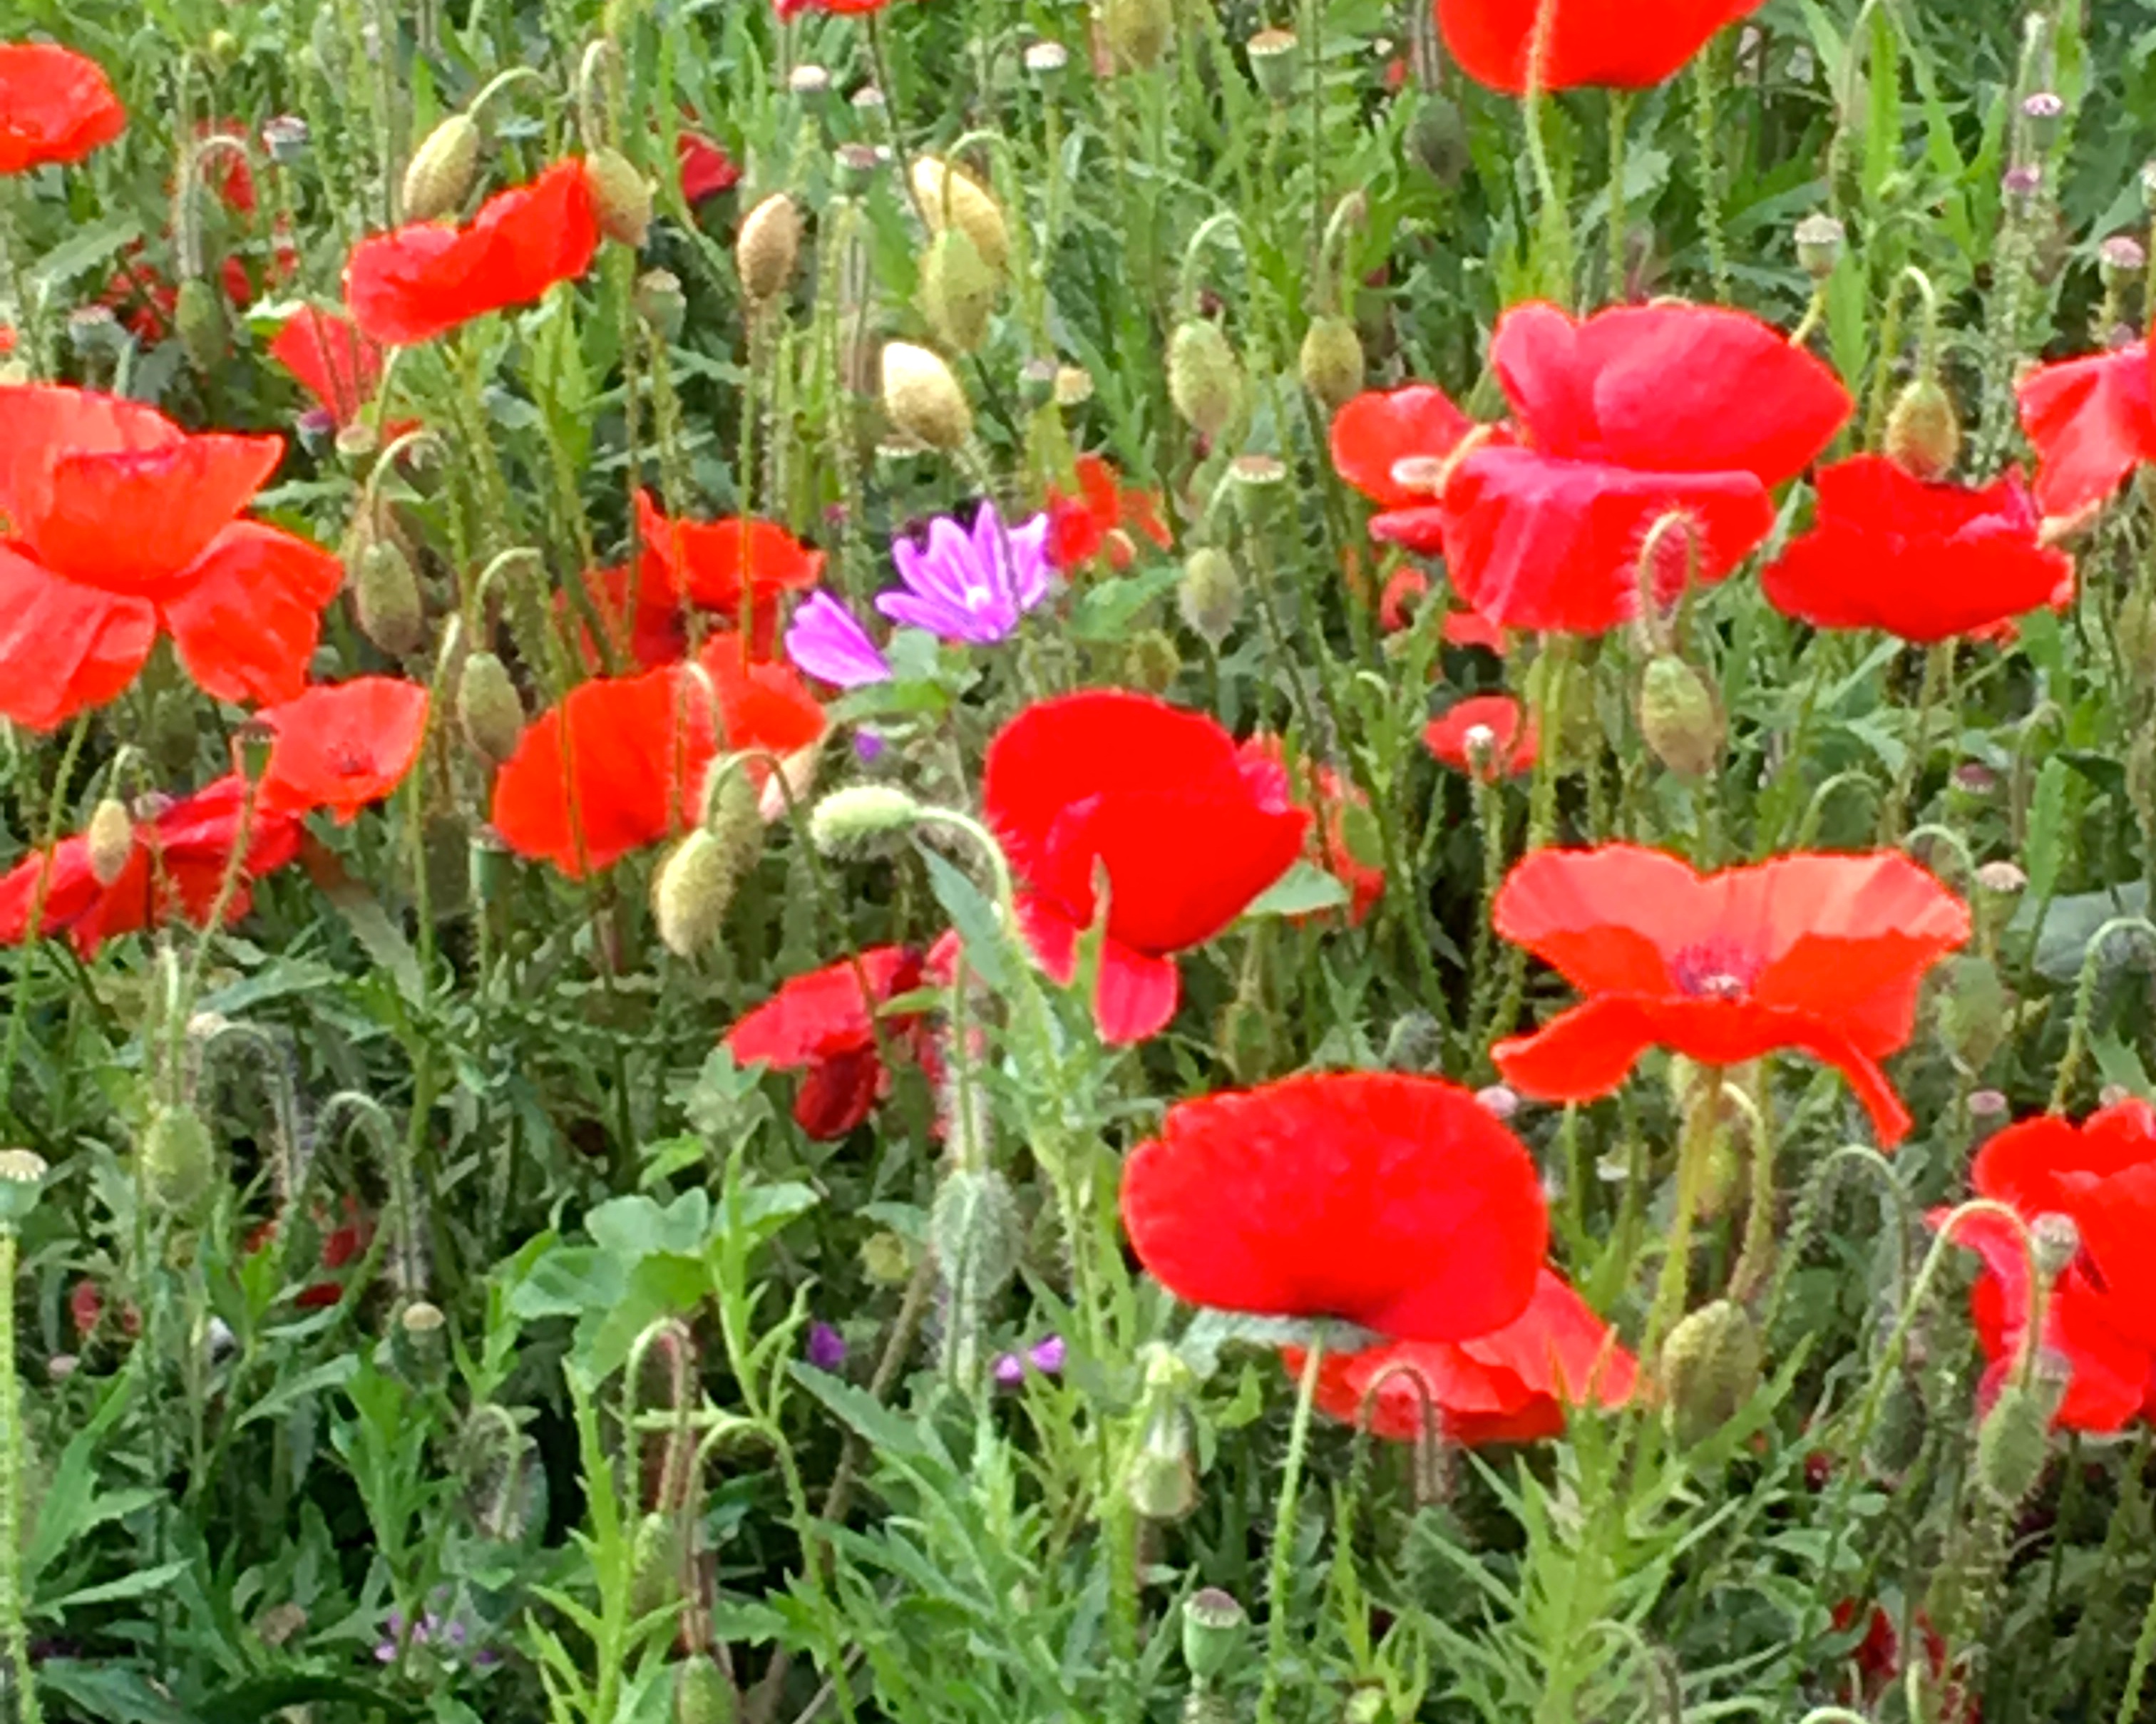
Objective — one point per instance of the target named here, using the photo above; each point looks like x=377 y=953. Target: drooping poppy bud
x=1204 y=379
x=1137 y=31
x=198 y=315
x=694 y=890
x=949 y=197
x=621 y=197
x=386 y=595
x=922 y=398
x=2014 y=1443
x=973 y=1230
x=1680 y=717
x=958 y=290
x=111 y=840
x=656 y=1562
x=1161 y=1482
x=1923 y=432
x=489 y=709
x=703 y=1694
x=767 y=247
x=1710 y=1369
x=1210 y=595
x=178 y=1161
x=440 y=176
x=846 y=818
x=1331 y=362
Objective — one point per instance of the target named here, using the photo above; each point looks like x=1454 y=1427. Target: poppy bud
x=22 y=1178
x=420 y=1345
x=922 y=398
x=957 y=291
x=1680 y=717
x=661 y=304
x=655 y=1563
x=1710 y=1369
x=1137 y=31
x=1162 y=1481
x=694 y=890
x=1897 y=1436
x=1973 y=1010
x=621 y=197
x=1214 y=1629
x=701 y=1694
x=845 y=817
x=2014 y=1443
x=887 y=1258
x=951 y=198
x=1204 y=379
x=1415 y=1044
x=1923 y=432
x=1273 y=64
x=111 y=840
x=1210 y=595
x=178 y=1162
x=205 y=337
x=489 y=710
x=765 y=247
x=1208 y=1705
x=1151 y=663
x=1820 y=239
x=440 y=176
x=1437 y=139
x=973 y=1230
x=1331 y=362
x=386 y=595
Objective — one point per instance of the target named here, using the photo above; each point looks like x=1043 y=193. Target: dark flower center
x=1715 y=970
x=347 y=762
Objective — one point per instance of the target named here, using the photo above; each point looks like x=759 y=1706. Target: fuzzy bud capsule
x=1137 y=31
x=958 y=290
x=1820 y=239
x=973 y=1230
x=489 y=710
x=1710 y=1367
x=1210 y=595
x=1331 y=362
x=1215 y=1628
x=198 y=314
x=1972 y=1012
x=178 y=1162
x=1680 y=717
x=1204 y=379
x=2014 y=1443
x=661 y=304
x=1151 y=663
x=1162 y=1481
x=1437 y=139
x=767 y=246
x=386 y=595
x=951 y=198
x=850 y=816
x=691 y=892
x=654 y=1562
x=703 y=1694
x=440 y=176
x=621 y=197
x=1923 y=432
x=110 y=839
x=922 y=398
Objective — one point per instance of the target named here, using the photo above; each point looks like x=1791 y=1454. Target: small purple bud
x=1008 y=1370
x=2022 y=182
x=869 y=746
x=1048 y=1355
x=826 y=1347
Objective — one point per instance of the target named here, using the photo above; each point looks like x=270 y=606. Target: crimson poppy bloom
x=1395 y=1203
x=2091 y=424
x=1158 y=799
x=2101 y=1317
x=126 y=527
x=618 y=764
x=177 y=868
x=1924 y=561
x=712 y=566
x=1822 y=954
x=1512 y=735
x=423 y=280
x=1373 y=434
x=1471 y=628
x=1605 y=43
x=55 y=106
x=332 y=360
x=1636 y=412
x=837 y=8
x=705 y=168
x=1104 y=514
x=343 y=746
x=824 y=1024
x=1343 y=837
x=1512 y=1385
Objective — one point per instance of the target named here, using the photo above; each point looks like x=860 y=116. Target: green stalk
x=1278 y=1579
x=13 y=1624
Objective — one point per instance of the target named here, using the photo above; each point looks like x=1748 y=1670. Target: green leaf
x=1105 y=611
x=633 y=1227
x=1303 y=890
x=2044 y=854
x=82 y=252
x=973 y=915
x=334 y=1373
x=886 y=1432
x=2071 y=923
x=134 y=1585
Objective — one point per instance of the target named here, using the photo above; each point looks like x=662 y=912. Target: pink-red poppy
x=422 y=280
x=343 y=745
x=719 y=568
x=1511 y=735
x=1822 y=955
x=1104 y=514
x=1395 y=1203
x=618 y=765
x=332 y=360
x=1924 y=561
x=1610 y=44
x=125 y=528
x=2101 y=1316
x=824 y=1025
x=1156 y=800
x=1515 y=1384
x=1389 y=443
x=705 y=168
x=1343 y=835
x=55 y=106
x=2091 y=424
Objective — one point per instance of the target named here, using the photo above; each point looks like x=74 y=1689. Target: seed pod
x=1204 y=379
x=1210 y=595
x=1137 y=31
x=1820 y=238
x=1923 y=432
x=661 y=304
x=701 y=1694
x=1710 y=1369
x=2012 y=1443
x=958 y=290
x=419 y=1343
x=22 y=1179
x=386 y=595
x=922 y=398
x=1973 y=1008
x=440 y=176
x=1215 y=1628
x=621 y=197
x=489 y=710
x=109 y=841
x=655 y=1563
x=178 y=1161
x=1680 y=717
x=951 y=198
x=973 y=1230
x=767 y=246
x=1331 y=362
x=1273 y=64
x=205 y=336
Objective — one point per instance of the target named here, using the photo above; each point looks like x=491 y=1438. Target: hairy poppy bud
x=178 y=1162
x=1972 y=1012
x=701 y=1694
x=1273 y=64
x=205 y=337
x=1331 y=362
x=1210 y=595
x=661 y=304
x=1680 y=717
x=922 y=398
x=621 y=197
x=1216 y=1629
x=654 y=1562
x=1710 y=1369
x=958 y=290
x=1820 y=239
x=386 y=595
x=1151 y=663
x=951 y=198
x=767 y=246
x=22 y=1178
x=438 y=177
x=695 y=887
x=1437 y=139
x=2014 y=1443
x=1415 y=1044
x=1204 y=379
x=973 y=1230
x=1923 y=432
x=845 y=817
x=489 y=710
x=1137 y=31
x=111 y=840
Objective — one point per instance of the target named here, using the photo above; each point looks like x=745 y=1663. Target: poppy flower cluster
x=125 y=528
x=1608 y=43
x=1158 y=804
x=55 y=106
x=825 y=1025
x=1818 y=954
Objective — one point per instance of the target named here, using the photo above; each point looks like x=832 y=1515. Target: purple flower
x=826 y=1347
x=869 y=746
x=962 y=586
x=1045 y=1355
x=825 y=640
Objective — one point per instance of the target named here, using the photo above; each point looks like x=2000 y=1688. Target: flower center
x=347 y=762
x=1715 y=970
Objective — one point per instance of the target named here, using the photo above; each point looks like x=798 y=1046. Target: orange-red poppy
x=1389 y=443
x=1104 y=514
x=1608 y=43
x=55 y=106
x=343 y=746
x=333 y=361
x=1343 y=837
x=824 y=1025
x=1510 y=737
x=2091 y=422
x=714 y=566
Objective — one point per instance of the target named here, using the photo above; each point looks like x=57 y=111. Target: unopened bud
x=1331 y=362
x=1273 y=64
x=922 y=398
x=951 y=198
x=701 y=1694
x=2057 y=1241
x=1162 y=1481
x=691 y=892
x=1680 y=717
x=1137 y=31
x=109 y=841
x=205 y=336
x=1415 y=1044
x=661 y=304
x=1923 y=432
x=1820 y=238
x=767 y=246
x=489 y=711
x=656 y=1562
x=440 y=176
x=177 y=1160
x=1710 y=1369
x=1204 y=379
x=887 y=1258
x=621 y=197
x=859 y=812
x=2014 y=1443
x=1210 y=595
x=386 y=595
x=1973 y=1009
x=973 y=1229
x=1216 y=1629
x=958 y=290
x=1437 y=139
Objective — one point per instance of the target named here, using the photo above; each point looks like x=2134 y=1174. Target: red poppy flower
x=125 y=527
x=1823 y=954
x=1924 y=561
x=1105 y=515
x=333 y=361
x=824 y=1024
x=55 y=106
x=177 y=868
x=710 y=565
x=1471 y=628
x=340 y=1245
x=2091 y=424
x=1512 y=1385
x=2101 y=1317
x=706 y=170
x=1637 y=413
x=1605 y=43
x=422 y=280
x=228 y=172
x=342 y=747
x=838 y=8
x=1343 y=838
x=635 y=753
x=1395 y=1203
x=1379 y=429
x=1158 y=799
x=1512 y=735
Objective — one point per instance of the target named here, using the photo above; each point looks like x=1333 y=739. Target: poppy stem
x=1755 y=1258
x=1279 y=1578
x=1620 y=114
x=1704 y=106
x=1695 y=1142
x=2144 y=1651
x=1554 y=244
x=21 y=1677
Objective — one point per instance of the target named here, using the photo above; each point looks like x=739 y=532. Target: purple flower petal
x=970 y=586
x=1047 y=1356
x=826 y=1347
x=825 y=641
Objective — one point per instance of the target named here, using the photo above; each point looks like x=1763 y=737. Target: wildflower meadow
x=1077 y=862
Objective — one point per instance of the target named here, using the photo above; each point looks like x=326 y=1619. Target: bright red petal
x=2091 y=422
x=338 y=365
x=343 y=746
x=55 y=106
x=1512 y=752
x=1609 y=919
x=64 y=649
x=1378 y=429
x=824 y=1013
x=1608 y=43
x=248 y=613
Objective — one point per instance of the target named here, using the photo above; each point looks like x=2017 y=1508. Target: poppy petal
x=2091 y=422
x=1610 y=44
x=343 y=746
x=1379 y=428
x=64 y=647
x=248 y=616
x=1578 y=1054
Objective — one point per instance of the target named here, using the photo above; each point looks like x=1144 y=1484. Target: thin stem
x=1554 y=244
x=13 y=1445
x=1277 y=1581
x=1620 y=113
